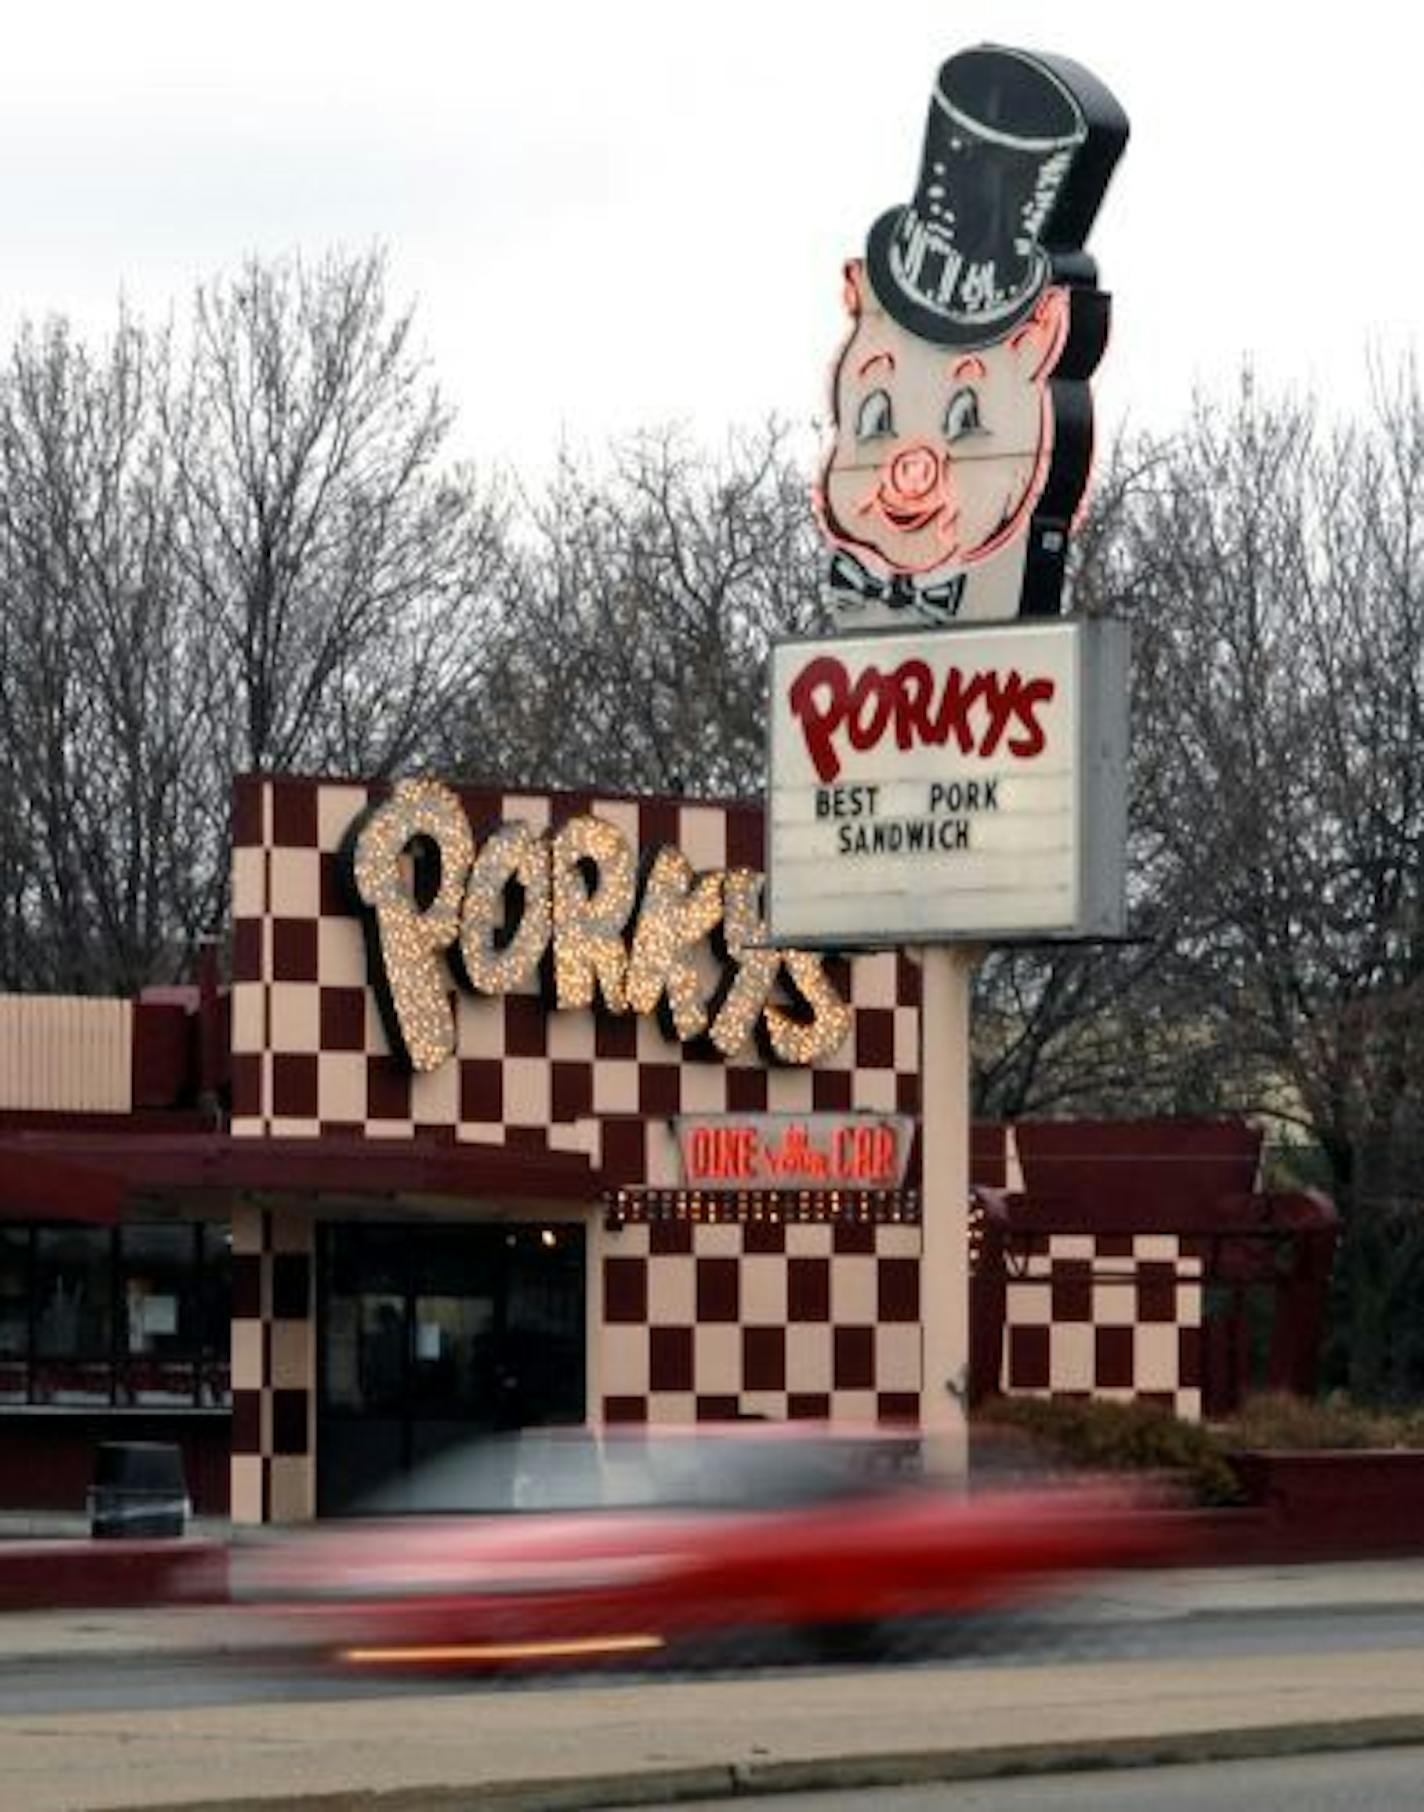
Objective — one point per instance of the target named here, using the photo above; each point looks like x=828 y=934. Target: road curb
x=668 y=1786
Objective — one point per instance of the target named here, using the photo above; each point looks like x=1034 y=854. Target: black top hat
x=1018 y=152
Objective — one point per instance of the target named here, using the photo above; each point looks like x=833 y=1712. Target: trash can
x=138 y=1491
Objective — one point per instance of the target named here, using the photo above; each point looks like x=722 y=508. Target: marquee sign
x=962 y=417
x=571 y=910
x=758 y=1152
x=962 y=784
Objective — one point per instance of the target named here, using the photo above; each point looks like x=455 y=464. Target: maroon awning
x=39 y=1180
x=40 y=1186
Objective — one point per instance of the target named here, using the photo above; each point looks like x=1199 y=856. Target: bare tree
x=343 y=576
x=100 y=726
x=235 y=548
x=1271 y=565
x=633 y=653
x=1068 y=1028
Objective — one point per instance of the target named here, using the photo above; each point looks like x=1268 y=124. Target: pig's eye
x=875 y=417
x=961 y=415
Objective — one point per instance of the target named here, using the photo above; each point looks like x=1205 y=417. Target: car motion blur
x=580 y=1546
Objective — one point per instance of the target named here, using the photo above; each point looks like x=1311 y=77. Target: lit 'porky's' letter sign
x=962 y=414
x=565 y=907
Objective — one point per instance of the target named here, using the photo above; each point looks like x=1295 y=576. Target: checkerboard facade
x=687 y=1322
x=1098 y=1315
x=781 y=1318
x=273 y=1475
x=1117 y=1316
x=310 y=1055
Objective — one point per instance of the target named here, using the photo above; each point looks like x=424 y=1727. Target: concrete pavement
x=640 y=1742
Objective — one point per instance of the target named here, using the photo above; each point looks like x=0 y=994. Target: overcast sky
x=623 y=213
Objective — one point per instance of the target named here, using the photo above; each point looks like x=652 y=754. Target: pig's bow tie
x=849 y=585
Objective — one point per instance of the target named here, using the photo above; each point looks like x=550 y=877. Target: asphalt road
x=122 y=1710
x=1095 y=1631
x=1378 y=1780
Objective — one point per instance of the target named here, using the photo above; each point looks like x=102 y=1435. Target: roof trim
x=37 y=1183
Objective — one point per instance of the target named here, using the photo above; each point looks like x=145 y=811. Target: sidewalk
x=642 y=1742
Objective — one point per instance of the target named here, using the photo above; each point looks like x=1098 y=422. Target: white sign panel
x=966 y=783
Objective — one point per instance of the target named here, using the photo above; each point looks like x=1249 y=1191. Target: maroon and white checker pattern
x=1114 y=1316
x=273 y=1367
x=684 y=1323
x=704 y=1323
x=310 y=1055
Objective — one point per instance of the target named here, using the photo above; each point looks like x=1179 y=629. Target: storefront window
x=136 y=1316
x=14 y=1314
x=159 y=1300
x=432 y=1334
x=74 y=1319
x=455 y=1289
x=215 y=1317
x=368 y=1343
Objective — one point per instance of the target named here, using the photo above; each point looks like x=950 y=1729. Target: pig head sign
x=953 y=763
x=962 y=417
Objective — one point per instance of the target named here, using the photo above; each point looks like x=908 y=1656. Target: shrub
x=1118 y=1437
x=1286 y=1424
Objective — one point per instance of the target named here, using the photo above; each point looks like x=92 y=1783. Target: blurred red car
x=625 y=1542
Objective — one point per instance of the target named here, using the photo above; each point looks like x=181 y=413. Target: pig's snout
x=914 y=472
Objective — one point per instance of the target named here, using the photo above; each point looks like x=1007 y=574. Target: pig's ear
x=1040 y=340
x=854 y=290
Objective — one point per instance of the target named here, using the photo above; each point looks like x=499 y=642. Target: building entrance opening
x=435 y=1334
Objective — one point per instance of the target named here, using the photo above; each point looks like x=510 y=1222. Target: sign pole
x=946 y=977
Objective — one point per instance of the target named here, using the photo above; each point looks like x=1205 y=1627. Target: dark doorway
x=431 y=1334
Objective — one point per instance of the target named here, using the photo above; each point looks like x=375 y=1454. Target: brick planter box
x=1335 y=1505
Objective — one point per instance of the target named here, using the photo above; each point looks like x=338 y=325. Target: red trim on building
x=165 y=1045
x=119 y=1162
x=36 y=1185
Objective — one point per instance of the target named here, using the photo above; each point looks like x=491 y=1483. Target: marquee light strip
x=752 y=1207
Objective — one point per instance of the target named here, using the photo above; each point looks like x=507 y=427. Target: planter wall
x=1337 y=1505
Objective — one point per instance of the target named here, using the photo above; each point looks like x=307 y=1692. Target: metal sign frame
x=1093 y=742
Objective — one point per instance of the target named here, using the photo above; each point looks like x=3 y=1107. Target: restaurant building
x=508 y=1116
x=516 y=1233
